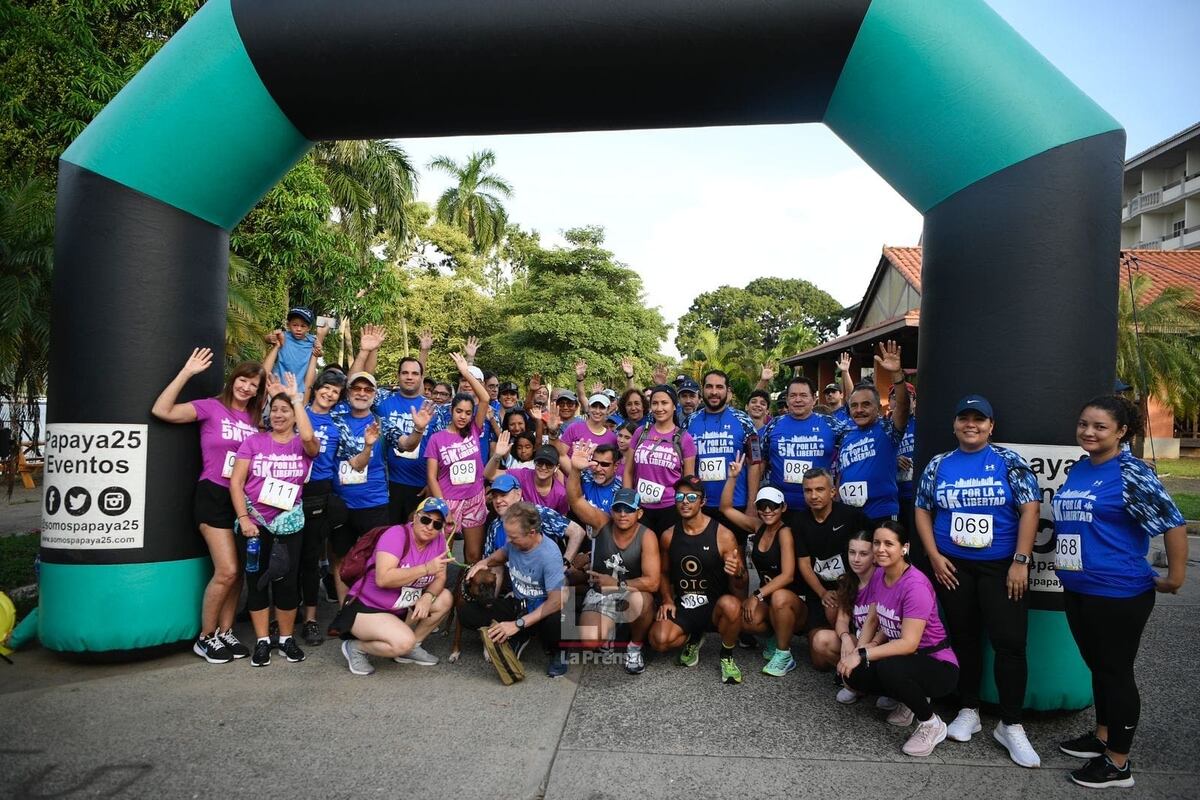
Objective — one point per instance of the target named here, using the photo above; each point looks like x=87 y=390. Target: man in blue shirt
x=721 y=433
x=798 y=441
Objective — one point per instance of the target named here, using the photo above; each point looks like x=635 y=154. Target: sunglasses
x=436 y=524
x=689 y=497
x=602 y=463
x=767 y=506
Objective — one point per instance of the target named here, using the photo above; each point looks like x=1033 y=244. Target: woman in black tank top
x=776 y=607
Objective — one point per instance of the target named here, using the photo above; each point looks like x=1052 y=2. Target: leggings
x=285 y=588
x=909 y=679
x=474 y=615
x=981 y=603
x=317 y=513
x=1108 y=631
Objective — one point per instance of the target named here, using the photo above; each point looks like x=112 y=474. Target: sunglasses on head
x=767 y=505
x=436 y=524
x=688 y=497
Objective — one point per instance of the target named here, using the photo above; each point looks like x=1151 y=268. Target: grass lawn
x=16 y=567
x=1179 y=467
x=1189 y=504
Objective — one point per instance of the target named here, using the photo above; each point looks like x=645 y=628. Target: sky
x=694 y=209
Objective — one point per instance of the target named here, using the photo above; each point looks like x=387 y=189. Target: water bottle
x=252 y=554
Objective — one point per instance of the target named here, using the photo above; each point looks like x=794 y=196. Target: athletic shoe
x=885 y=703
x=1017 y=743
x=236 y=648
x=1101 y=773
x=847 y=696
x=312 y=634
x=901 y=716
x=770 y=649
x=212 y=649
x=729 y=671
x=356 y=659
x=262 y=654
x=1089 y=745
x=747 y=641
x=557 y=666
x=292 y=650
x=418 y=655
x=689 y=656
x=635 y=664
x=780 y=664
x=926 y=737
x=965 y=725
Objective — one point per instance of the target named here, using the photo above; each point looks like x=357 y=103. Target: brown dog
x=483 y=587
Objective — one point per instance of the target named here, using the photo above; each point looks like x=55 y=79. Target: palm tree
x=373 y=185
x=474 y=204
x=1159 y=357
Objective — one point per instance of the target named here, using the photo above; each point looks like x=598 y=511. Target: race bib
x=1068 y=552
x=409 y=595
x=853 y=493
x=227 y=467
x=650 y=491
x=412 y=454
x=712 y=469
x=829 y=569
x=462 y=473
x=278 y=494
x=348 y=475
x=693 y=600
x=793 y=470
x=971 y=530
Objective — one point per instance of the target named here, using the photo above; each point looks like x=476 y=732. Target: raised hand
x=322 y=332
x=371 y=434
x=767 y=373
x=735 y=466
x=581 y=456
x=597 y=387
x=274 y=387
x=843 y=362
x=535 y=381
x=460 y=361
x=503 y=445
x=425 y=340
x=627 y=366
x=472 y=348
x=274 y=338
x=423 y=415
x=889 y=357
x=318 y=350
x=291 y=386
x=580 y=369
x=660 y=374
x=371 y=337
x=200 y=360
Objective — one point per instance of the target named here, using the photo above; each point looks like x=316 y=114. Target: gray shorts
x=614 y=605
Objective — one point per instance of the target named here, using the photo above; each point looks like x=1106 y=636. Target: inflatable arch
x=1016 y=171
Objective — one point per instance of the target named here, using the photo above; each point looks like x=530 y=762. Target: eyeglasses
x=359 y=388
x=689 y=497
x=767 y=506
x=436 y=524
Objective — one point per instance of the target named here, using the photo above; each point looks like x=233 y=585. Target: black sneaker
x=1100 y=773
x=212 y=649
x=747 y=641
x=236 y=648
x=312 y=633
x=1087 y=746
x=292 y=650
x=262 y=654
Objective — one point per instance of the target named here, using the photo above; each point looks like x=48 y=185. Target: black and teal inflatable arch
x=1016 y=171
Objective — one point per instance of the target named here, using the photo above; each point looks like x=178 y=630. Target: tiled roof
x=1180 y=268
x=907 y=261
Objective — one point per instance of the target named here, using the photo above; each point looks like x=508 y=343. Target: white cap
x=599 y=398
x=477 y=372
x=770 y=494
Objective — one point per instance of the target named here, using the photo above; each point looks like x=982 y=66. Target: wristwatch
x=758 y=595
x=1020 y=558
x=862 y=653
x=520 y=623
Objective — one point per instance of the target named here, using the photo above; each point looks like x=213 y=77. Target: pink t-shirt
x=460 y=465
x=579 y=431
x=398 y=540
x=656 y=465
x=556 y=498
x=862 y=606
x=277 y=473
x=222 y=431
x=912 y=596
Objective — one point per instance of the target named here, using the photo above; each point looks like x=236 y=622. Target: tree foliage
x=1161 y=357
x=475 y=204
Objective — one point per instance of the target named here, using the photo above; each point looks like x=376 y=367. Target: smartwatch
x=862 y=653
x=520 y=623
x=1020 y=558
x=759 y=596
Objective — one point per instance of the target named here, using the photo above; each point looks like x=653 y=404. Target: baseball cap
x=547 y=453
x=628 y=498
x=616 y=419
x=689 y=482
x=598 y=399
x=567 y=395
x=689 y=385
x=975 y=402
x=504 y=483
x=679 y=379
x=832 y=387
x=363 y=376
x=508 y=387
x=303 y=313
x=610 y=394
x=770 y=494
x=477 y=372
x=434 y=504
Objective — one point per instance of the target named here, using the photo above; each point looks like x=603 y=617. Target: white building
x=1161 y=195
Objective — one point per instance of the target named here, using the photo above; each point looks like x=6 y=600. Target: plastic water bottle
x=252 y=554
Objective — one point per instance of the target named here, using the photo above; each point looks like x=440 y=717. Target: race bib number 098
x=462 y=473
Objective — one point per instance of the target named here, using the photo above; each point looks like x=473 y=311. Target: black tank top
x=697 y=568
x=624 y=564
x=769 y=564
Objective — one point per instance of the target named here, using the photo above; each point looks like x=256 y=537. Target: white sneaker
x=901 y=716
x=964 y=726
x=926 y=737
x=885 y=703
x=1017 y=743
x=847 y=696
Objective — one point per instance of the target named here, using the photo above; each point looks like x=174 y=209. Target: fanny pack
x=929 y=650
x=285 y=524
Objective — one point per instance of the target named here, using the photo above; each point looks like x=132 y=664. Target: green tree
x=372 y=185
x=475 y=203
x=1161 y=359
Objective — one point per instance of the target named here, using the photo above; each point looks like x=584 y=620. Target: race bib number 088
x=793 y=470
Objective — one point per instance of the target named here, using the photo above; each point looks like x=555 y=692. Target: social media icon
x=53 y=500
x=113 y=501
x=78 y=501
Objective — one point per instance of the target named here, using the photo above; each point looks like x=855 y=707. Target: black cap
x=508 y=387
x=547 y=453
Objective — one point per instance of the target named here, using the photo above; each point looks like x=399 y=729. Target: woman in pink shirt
x=225 y=421
x=662 y=453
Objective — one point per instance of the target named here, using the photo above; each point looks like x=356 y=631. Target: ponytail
x=1123 y=410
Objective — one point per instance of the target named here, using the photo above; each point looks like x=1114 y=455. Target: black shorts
x=213 y=507
x=358 y=522
x=695 y=620
x=343 y=621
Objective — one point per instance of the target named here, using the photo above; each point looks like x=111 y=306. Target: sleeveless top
x=624 y=564
x=696 y=567
x=769 y=564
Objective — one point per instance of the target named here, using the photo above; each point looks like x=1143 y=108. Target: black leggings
x=474 y=615
x=284 y=589
x=981 y=603
x=1108 y=631
x=909 y=679
x=319 y=514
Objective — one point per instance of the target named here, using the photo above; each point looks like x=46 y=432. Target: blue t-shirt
x=328 y=429
x=975 y=500
x=842 y=413
x=293 y=357
x=553 y=526
x=908 y=446
x=1104 y=517
x=867 y=468
x=599 y=496
x=396 y=416
x=719 y=438
x=536 y=572
x=793 y=446
x=373 y=491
